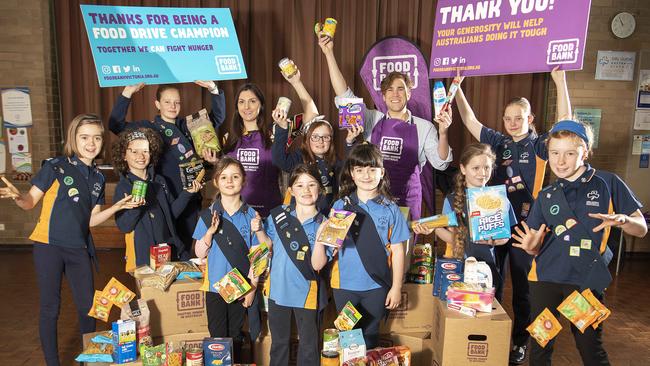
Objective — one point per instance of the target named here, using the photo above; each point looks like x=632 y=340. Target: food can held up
x=284 y=104
x=288 y=68
x=328 y=28
x=139 y=190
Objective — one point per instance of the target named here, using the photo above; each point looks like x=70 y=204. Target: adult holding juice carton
x=567 y=231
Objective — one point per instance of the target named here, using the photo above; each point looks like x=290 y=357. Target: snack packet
x=101 y=308
x=351 y=112
x=103 y=337
x=489 y=213
x=97 y=352
x=138 y=311
x=174 y=353
x=161 y=279
x=436 y=221
x=390 y=356
x=232 y=286
x=357 y=361
x=579 y=311
x=187 y=270
x=348 y=317
x=259 y=259
x=117 y=293
x=192 y=171
x=154 y=356
x=337 y=228
x=203 y=134
x=602 y=309
x=544 y=328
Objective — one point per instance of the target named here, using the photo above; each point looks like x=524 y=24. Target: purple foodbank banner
x=494 y=37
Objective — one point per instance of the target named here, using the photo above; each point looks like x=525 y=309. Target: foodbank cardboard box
x=419 y=343
x=190 y=340
x=414 y=312
x=460 y=340
x=179 y=310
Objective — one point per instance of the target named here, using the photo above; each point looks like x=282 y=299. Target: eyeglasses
x=324 y=138
x=138 y=152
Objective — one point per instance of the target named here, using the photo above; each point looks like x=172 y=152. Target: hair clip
x=136 y=135
x=319 y=118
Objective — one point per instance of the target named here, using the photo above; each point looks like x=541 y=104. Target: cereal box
x=159 y=255
x=232 y=286
x=489 y=213
x=351 y=112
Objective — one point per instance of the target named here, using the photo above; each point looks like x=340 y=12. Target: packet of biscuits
x=191 y=171
x=579 y=311
x=232 y=286
x=101 y=308
x=203 y=133
x=545 y=327
x=337 y=227
x=602 y=309
x=488 y=209
x=117 y=293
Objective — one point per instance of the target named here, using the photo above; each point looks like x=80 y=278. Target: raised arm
x=336 y=77
x=117 y=120
x=467 y=115
x=218 y=99
x=563 y=102
x=308 y=106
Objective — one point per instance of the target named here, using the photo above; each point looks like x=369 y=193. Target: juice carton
x=124 y=342
x=352 y=344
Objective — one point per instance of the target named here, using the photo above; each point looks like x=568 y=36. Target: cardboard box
x=179 y=310
x=461 y=340
x=262 y=351
x=86 y=340
x=420 y=344
x=413 y=313
x=191 y=340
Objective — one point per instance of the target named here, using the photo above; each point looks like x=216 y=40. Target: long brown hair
x=122 y=144
x=307 y=155
x=236 y=128
x=362 y=155
x=220 y=166
x=459 y=204
x=70 y=146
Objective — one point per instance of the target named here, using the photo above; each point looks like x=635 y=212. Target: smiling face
x=88 y=142
x=396 y=96
x=566 y=156
x=517 y=120
x=230 y=182
x=305 y=190
x=320 y=140
x=137 y=155
x=248 y=106
x=477 y=171
x=169 y=104
x=367 y=178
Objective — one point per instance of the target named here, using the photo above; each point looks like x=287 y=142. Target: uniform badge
x=510 y=172
x=507 y=154
x=585 y=244
x=288 y=235
x=175 y=140
x=181 y=148
x=520 y=186
x=73 y=192
x=516 y=179
x=168 y=132
x=188 y=154
x=567 y=237
x=511 y=189
x=68 y=180
x=559 y=230
x=305 y=248
x=294 y=245
x=570 y=223
x=554 y=210
x=574 y=251
x=300 y=256
x=75 y=198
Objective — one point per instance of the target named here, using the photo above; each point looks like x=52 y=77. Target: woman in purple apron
x=248 y=140
x=406 y=142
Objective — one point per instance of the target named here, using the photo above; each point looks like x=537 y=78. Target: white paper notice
x=636 y=144
x=3 y=158
x=615 y=65
x=18 y=141
x=22 y=163
x=16 y=107
x=642 y=120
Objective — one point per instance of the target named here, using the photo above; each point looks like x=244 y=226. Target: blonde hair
x=70 y=146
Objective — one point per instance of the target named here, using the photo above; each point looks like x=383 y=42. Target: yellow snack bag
x=101 y=308
x=544 y=328
x=602 y=309
x=578 y=310
x=117 y=293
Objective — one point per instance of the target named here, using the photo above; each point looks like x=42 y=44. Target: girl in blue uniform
x=476 y=164
x=224 y=237
x=293 y=285
x=368 y=268
x=248 y=139
x=520 y=165
x=135 y=155
x=178 y=147
x=72 y=189
x=567 y=232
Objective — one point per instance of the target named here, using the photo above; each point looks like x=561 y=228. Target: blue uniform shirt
x=288 y=287
x=392 y=229
x=218 y=265
x=65 y=215
x=604 y=193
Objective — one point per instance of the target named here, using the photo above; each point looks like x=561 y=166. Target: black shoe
x=518 y=354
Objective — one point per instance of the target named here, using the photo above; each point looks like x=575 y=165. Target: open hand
x=528 y=239
x=10 y=191
x=129 y=90
x=609 y=220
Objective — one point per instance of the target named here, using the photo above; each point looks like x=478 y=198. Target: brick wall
x=27 y=58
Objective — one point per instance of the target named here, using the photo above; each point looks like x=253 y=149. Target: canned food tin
x=329 y=27
x=284 y=104
x=139 y=190
x=194 y=357
x=288 y=67
x=331 y=340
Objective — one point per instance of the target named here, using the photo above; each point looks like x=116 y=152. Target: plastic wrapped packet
x=544 y=328
x=232 y=286
x=154 y=356
x=351 y=112
x=471 y=295
x=187 y=270
x=358 y=361
x=117 y=293
x=348 y=317
x=436 y=221
x=336 y=228
x=97 y=352
x=103 y=337
x=203 y=133
x=488 y=209
x=161 y=279
x=138 y=311
x=477 y=272
x=602 y=309
x=191 y=171
x=174 y=352
x=101 y=308
x=259 y=259
x=579 y=311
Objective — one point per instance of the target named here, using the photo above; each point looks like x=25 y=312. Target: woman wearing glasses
x=316 y=147
x=249 y=140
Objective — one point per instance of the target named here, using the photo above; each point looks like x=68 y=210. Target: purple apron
x=398 y=142
x=261 y=190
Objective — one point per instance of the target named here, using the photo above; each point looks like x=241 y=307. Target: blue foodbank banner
x=162 y=45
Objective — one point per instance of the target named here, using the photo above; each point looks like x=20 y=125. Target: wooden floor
x=627 y=332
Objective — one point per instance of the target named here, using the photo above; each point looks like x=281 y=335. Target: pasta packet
x=348 y=317
x=117 y=293
x=337 y=228
x=232 y=286
x=187 y=270
x=602 y=309
x=579 y=311
x=436 y=221
x=544 y=328
x=101 y=308
x=96 y=352
x=259 y=259
x=203 y=133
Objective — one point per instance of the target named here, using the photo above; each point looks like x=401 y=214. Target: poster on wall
x=22 y=162
x=643 y=91
x=615 y=65
x=18 y=140
x=590 y=116
x=508 y=37
x=158 y=45
x=3 y=158
x=16 y=107
x=641 y=119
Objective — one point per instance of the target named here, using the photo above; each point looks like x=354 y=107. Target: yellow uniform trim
x=287 y=198
x=335 y=281
x=41 y=232
x=606 y=231
x=312 y=296
x=532 y=275
x=129 y=239
x=206 y=278
x=540 y=170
